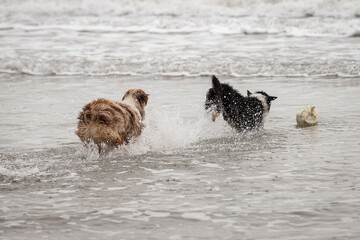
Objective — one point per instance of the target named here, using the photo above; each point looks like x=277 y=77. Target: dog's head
x=213 y=96
x=139 y=98
x=263 y=97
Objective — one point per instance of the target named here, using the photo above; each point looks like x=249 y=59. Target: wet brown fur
x=113 y=123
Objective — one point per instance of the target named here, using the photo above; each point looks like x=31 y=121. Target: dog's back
x=109 y=122
x=243 y=113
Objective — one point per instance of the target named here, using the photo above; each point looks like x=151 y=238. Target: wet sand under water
x=186 y=177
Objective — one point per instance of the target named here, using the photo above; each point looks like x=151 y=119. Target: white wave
x=338 y=18
x=293 y=8
x=238 y=67
x=104 y=28
x=132 y=38
x=243 y=26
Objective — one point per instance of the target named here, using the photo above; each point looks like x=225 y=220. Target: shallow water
x=185 y=177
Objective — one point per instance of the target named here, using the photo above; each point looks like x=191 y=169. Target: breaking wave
x=120 y=37
x=283 y=8
x=176 y=67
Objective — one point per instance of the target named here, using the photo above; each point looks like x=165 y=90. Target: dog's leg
x=214 y=116
x=99 y=148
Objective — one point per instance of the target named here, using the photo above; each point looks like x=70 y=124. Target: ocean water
x=186 y=177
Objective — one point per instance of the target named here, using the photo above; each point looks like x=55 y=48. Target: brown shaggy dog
x=113 y=123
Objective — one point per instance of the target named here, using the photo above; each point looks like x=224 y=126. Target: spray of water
x=169 y=131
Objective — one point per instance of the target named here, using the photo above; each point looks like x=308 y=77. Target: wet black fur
x=242 y=113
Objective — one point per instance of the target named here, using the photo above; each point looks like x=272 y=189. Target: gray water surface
x=186 y=177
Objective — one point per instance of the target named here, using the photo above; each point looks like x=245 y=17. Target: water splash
x=168 y=131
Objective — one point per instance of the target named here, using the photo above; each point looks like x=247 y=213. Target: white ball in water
x=307 y=116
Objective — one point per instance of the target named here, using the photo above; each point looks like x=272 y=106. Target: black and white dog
x=242 y=113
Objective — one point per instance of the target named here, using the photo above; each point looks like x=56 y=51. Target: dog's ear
x=143 y=98
x=125 y=96
x=248 y=93
x=216 y=84
x=272 y=98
